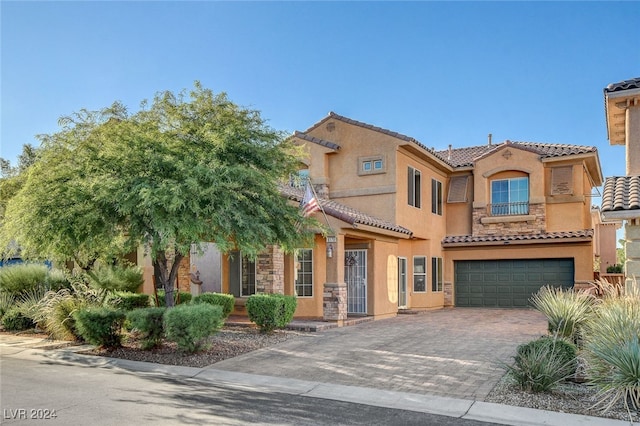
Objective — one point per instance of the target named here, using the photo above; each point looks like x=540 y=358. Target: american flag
x=309 y=203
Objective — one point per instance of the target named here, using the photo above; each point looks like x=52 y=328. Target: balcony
x=509 y=209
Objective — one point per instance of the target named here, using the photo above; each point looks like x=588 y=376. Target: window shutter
x=458 y=189
x=562 y=180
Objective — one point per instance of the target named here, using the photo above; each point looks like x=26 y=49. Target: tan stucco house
x=414 y=228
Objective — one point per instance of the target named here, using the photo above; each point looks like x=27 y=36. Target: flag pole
x=320 y=205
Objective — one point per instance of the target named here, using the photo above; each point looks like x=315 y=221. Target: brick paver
x=451 y=352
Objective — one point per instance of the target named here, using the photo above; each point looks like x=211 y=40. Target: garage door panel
x=508 y=283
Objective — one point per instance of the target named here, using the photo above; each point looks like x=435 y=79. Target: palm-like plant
x=612 y=349
x=566 y=310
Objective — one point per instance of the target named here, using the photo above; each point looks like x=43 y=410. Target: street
x=51 y=392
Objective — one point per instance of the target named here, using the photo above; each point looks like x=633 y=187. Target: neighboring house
x=621 y=196
x=605 y=241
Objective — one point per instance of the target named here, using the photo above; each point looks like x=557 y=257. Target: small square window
x=371 y=165
x=377 y=164
x=366 y=166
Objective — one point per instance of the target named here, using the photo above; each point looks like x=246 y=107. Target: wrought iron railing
x=509 y=209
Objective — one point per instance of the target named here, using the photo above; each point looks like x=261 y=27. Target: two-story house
x=411 y=227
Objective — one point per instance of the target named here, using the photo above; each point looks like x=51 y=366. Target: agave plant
x=612 y=348
x=566 y=310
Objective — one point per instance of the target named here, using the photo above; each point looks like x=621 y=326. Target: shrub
x=149 y=322
x=271 y=311
x=128 y=301
x=19 y=279
x=57 y=279
x=117 y=278
x=100 y=326
x=541 y=364
x=566 y=310
x=227 y=301
x=180 y=298
x=6 y=302
x=191 y=325
x=16 y=320
x=614 y=269
x=612 y=349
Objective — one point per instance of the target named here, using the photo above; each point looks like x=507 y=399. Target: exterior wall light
x=331 y=239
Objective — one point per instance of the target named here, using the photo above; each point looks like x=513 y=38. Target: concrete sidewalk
x=40 y=350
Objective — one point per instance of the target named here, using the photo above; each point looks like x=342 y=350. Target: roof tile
x=471 y=239
x=633 y=83
x=621 y=193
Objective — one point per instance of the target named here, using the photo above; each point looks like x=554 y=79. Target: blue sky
x=443 y=73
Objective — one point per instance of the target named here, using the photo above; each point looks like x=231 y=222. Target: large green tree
x=185 y=169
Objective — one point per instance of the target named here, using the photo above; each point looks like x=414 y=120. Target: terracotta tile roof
x=345 y=213
x=374 y=128
x=621 y=193
x=464 y=157
x=506 y=239
x=633 y=83
x=312 y=139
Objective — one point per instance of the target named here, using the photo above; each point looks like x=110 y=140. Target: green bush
x=271 y=311
x=22 y=278
x=149 y=322
x=612 y=349
x=182 y=298
x=566 y=310
x=227 y=301
x=614 y=269
x=128 y=301
x=57 y=279
x=541 y=364
x=100 y=326
x=16 y=320
x=6 y=302
x=191 y=325
x=117 y=278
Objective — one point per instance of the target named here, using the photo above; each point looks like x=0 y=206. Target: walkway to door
x=451 y=352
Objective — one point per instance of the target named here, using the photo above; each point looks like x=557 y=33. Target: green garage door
x=507 y=283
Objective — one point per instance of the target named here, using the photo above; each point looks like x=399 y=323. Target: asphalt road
x=33 y=392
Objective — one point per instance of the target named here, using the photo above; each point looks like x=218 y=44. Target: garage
x=508 y=283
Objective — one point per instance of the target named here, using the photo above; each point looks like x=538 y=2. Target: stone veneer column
x=334 y=300
x=270 y=271
x=632 y=248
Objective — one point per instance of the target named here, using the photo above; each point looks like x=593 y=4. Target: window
x=300 y=179
x=248 y=277
x=510 y=196
x=419 y=274
x=304 y=273
x=436 y=197
x=371 y=165
x=414 y=187
x=436 y=274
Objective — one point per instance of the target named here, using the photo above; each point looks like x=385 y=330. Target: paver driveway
x=450 y=352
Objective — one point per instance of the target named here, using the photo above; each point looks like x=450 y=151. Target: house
x=415 y=228
x=621 y=196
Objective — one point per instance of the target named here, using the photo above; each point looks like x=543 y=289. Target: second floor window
x=414 y=187
x=436 y=197
x=510 y=196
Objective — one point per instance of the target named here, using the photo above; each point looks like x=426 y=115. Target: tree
x=187 y=169
x=12 y=178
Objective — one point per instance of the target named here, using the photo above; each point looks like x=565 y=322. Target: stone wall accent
x=270 y=271
x=334 y=303
x=509 y=227
x=448 y=293
x=184 y=281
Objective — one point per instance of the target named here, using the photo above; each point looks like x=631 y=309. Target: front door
x=355 y=275
x=402 y=282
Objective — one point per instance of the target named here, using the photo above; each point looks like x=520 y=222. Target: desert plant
x=612 y=349
x=190 y=326
x=16 y=320
x=541 y=364
x=29 y=303
x=149 y=322
x=19 y=279
x=55 y=310
x=271 y=311
x=227 y=301
x=100 y=326
x=6 y=302
x=179 y=298
x=128 y=301
x=566 y=310
x=57 y=279
x=116 y=278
